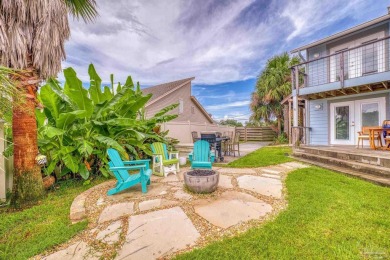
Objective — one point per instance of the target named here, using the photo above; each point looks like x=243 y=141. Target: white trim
x=351 y=124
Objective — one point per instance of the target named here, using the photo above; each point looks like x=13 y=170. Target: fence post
x=3 y=180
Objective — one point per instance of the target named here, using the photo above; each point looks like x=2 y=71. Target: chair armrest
x=157 y=158
x=127 y=168
x=146 y=162
x=360 y=132
x=190 y=156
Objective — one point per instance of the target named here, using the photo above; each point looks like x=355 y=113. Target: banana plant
x=76 y=125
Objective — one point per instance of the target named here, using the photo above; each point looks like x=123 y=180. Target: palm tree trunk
x=28 y=185
x=279 y=125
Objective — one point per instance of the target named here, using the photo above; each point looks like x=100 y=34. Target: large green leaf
x=83 y=171
x=166 y=110
x=66 y=119
x=50 y=100
x=109 y=142
x=51 y=132
x=40 y=116
x=85 y=148
x=76 y=92
x=129 y=122
x=71 y=162
x=95 y=89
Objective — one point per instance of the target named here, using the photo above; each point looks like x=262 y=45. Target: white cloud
x=229 y=105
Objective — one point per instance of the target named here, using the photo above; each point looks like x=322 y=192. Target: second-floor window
x=369 y=58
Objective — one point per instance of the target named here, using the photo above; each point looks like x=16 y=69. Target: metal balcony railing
x=367 y=59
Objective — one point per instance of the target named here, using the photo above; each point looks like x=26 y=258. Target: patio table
x=372 y=138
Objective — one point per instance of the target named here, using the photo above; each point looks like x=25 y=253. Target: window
x=370 y=58
x=370 y=114
x=341 y=54
x=181 y=106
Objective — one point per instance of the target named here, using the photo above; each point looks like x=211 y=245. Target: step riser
x=373 y=160
x=366 y=169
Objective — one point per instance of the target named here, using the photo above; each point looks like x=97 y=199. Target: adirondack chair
x=201 y=157
x=164 y=162
x=125 y=180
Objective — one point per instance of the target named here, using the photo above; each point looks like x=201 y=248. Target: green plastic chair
x=120 y=170
x=201 y=157
x=164 y=162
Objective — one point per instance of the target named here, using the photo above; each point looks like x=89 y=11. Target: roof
x=199 y=105
x=345 y=32
x=162 y=90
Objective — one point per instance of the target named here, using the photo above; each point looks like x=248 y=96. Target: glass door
x=342 y=123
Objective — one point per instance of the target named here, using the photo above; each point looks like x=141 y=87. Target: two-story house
x=344 y=80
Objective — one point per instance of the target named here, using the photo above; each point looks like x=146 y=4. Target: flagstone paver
x=232 y=208
x=262 y=185
x=167 y=218
x=111 y=234
x=157 y=233
x=225 y=181
x=116 y=211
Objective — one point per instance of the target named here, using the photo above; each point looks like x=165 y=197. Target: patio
x=168 y=219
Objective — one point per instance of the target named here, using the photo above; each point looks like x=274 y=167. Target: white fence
x=182 y=130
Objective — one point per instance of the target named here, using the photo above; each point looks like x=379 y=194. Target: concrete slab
x=111 y=234
x=154 y=189
x=232 y=208
x=158 y=233
x=272 y=171
x=151 y=204
x=170 y=178
x=225 y=181
x=271 y=176
x=182 y=195
x=262 y=185
x=116 y=211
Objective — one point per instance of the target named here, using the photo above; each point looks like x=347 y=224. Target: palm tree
x=273 y=84
x=32 y=37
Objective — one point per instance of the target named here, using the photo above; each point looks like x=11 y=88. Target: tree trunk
x=279 y=125
x=28 y=185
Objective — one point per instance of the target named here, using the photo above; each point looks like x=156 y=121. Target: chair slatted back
x=160 y=148
x=116 y=161
x=366 y=129
x=201 y=151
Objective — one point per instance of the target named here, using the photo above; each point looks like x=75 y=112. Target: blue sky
x=223 y=44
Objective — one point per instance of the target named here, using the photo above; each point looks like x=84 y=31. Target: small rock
x=100 y=201
x=182 y=195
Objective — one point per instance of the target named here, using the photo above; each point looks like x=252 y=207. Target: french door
x=347 y=118
x=342 y=123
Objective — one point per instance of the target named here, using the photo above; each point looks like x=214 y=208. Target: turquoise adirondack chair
x=201 y=157
x=164 y=162
x=125 y=180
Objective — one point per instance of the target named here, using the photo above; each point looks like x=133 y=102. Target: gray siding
x=319 y=122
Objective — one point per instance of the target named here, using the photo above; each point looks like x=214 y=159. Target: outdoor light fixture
x=318 y=107
x=316 y=55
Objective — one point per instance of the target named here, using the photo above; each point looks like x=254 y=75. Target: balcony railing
x=367 y=59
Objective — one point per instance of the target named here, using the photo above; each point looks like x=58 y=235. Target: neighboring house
x=344 y=80
x=189 y=109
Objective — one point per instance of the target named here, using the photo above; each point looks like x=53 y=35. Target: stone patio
x=168 y=219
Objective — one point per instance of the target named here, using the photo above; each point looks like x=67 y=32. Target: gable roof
x=343 y=33
x=201 y=108
x=162 y=90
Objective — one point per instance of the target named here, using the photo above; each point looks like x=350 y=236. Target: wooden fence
x=256 y=134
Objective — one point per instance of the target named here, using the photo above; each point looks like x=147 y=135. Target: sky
x=223 y=44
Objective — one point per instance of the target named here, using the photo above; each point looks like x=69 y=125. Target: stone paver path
x=168 y=219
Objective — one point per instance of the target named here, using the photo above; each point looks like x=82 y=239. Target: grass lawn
x=329 y=216
x=26 y=233
x=269 y=155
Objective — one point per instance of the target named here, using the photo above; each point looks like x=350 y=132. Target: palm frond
x=85 y=9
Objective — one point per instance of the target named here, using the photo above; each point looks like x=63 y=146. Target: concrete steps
x=373 y=167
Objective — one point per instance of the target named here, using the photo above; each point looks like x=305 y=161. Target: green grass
x=26 y=233
x=329 y=216
x=269 y=155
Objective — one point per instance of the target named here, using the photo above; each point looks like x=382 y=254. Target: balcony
x=360 y=69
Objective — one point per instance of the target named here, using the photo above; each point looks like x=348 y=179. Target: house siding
x=188 y=114
x=319 y=122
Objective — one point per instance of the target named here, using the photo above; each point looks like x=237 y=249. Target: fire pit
x=201 y=181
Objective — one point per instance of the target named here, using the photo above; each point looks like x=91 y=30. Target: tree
x=32 y=36
x=230 y=122
x=273 y=84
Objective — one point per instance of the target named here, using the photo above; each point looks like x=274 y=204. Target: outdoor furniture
x=235 y=147
x=365 y=135
x=164 y=162
x=194 y=135
x=120 y=170
x=229 y=142
x=201 y=157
